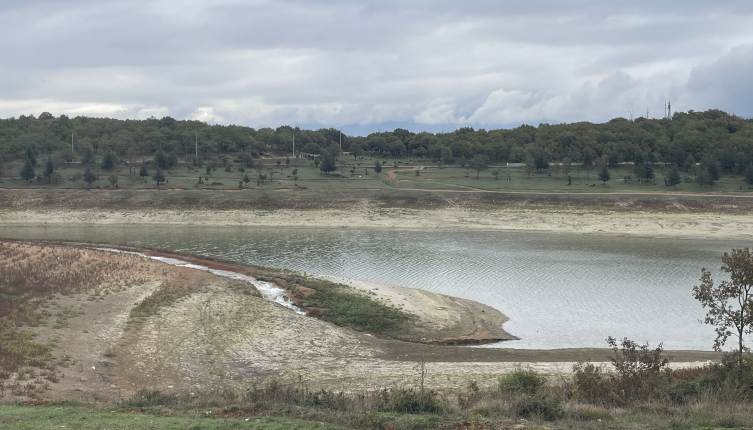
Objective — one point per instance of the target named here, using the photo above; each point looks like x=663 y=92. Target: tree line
x=716 y=139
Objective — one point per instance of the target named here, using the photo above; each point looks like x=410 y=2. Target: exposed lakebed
x=559 y=290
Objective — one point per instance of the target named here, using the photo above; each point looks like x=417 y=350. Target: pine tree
x=674 y=176
x=144 y=172
x=159 y=177
x=109 y=161
x=27 y=172
x=89 y=176
x=604 y=175
x=48 y=168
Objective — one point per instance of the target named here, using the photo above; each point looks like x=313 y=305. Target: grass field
x=396 y=174
x=89 y=417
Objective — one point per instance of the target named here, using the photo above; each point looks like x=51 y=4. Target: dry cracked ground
x=218 y=333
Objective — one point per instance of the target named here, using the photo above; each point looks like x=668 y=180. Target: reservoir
x=559 y=290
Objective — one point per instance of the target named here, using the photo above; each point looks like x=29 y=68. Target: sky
x=363 y=66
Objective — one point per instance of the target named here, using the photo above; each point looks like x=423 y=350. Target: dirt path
x=392 y=176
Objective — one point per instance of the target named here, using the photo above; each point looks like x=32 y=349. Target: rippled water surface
x=559 y=290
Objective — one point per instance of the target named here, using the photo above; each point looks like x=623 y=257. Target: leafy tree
x=495 y=173
x=89 y=177
x=478 y=163
x=356 y=151
x=27 y=171
x=712 y=165
x=567 y=166
x=160 y=159
x=209 y=169
x=377 y=167
x=88 y=156
x=48 y=168
x=113 y=178
x=730 y=304
x=172 y=160
x=704 y=177
x=158 y=177
x=55 y=177
x=246 y=179
x=30 y=155
x=143 y=172
x=328 y=163
x=604 y=175
x=109 y=161
x=674 y=176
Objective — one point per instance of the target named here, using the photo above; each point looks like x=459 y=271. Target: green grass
x=82 y=417
x=432 y=177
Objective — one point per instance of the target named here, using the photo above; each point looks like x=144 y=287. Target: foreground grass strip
x=48 y=417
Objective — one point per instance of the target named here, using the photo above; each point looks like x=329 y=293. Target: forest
x=712 y=137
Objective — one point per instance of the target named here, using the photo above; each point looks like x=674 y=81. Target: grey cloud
x=341 y=62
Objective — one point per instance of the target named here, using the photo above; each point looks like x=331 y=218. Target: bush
x=408 y=401
x=521 y=381
x=638 y=369
x=590 y=384
x=683 y=392
x=538 y=406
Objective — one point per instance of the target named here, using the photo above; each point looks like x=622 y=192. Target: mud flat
x=639 y=223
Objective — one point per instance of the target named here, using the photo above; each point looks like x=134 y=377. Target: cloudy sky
x=376 y=64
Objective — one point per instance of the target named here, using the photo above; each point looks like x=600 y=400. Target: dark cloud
x=366 y=63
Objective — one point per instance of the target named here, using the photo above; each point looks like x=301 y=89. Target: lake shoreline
x=608 y=223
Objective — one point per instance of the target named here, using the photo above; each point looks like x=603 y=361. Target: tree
x=55 y=177
x=730 y=304
x=88 y=156
x=246 y=179
x=328 y=163
x=160 y=159
x=567 y=166
x=144 y=172
x=30 y=155
x=109 y=161
x=377 y=167
x=704 y=177
x=158 y=176
x=113 y=178
x=639 y=171
x=89 y=177
x=172 y=160
x=604 y=175
x=356 y=151
x=478 y=163
x=48 y=168
x=674 y=176
x=27 y=171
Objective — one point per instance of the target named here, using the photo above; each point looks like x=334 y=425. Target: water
x=559 y=290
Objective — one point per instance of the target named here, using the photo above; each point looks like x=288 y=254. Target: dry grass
x=34 y=273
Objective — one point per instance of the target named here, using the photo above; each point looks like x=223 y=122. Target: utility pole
x=341 y=141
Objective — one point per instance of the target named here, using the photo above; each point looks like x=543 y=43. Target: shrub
x=638 y=369
x=590 y=384
x=521 y=381
x=408 y=401
x=539 y=406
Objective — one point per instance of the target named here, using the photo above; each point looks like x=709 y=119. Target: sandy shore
x=442 y=319
x=633 y=223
